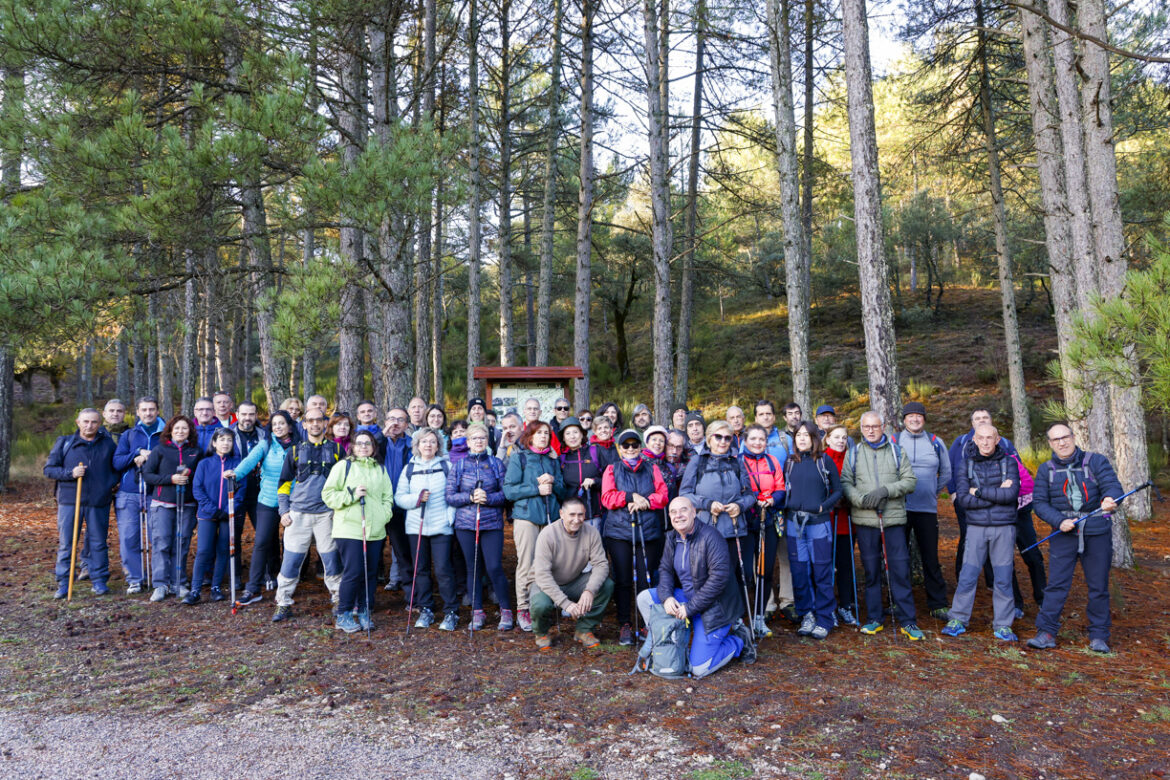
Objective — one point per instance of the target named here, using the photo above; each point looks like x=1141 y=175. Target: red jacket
x=841 y=513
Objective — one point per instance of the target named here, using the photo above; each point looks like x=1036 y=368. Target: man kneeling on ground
x=572 y=574
x=695 y=582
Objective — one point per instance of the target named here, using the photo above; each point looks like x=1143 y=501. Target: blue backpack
x=666 y=651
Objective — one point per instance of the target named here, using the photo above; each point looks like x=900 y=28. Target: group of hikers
x=714 y=526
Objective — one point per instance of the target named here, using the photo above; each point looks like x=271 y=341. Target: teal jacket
x=269 y=456
x=520 y=486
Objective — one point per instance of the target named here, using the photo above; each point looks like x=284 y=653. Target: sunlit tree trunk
x=583 y=297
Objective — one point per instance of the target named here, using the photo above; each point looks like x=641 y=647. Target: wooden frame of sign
x=508 y=387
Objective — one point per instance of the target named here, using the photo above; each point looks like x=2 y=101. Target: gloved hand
x=221 y=515
x=874 y=498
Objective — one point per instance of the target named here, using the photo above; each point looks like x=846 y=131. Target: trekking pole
x=73 y=551
x=761 y=557
x=853 y=571
x=886 y=564
x=742 y=575
x=1080 y=520
x=417 y=552
x=178 y=537
x=475 y=569
x=365 y=567
x=144 y=531
x=231 y=486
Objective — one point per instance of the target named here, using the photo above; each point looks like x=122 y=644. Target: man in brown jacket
x=572 y=574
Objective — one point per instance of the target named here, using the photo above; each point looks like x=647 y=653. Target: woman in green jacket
x=362 y=499
x=536 y=486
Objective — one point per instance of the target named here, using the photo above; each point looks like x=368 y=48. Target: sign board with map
x=508 y=387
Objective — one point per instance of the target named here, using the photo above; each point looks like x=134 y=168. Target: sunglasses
x=627 y=445
x=586 y=419
x=314 y=419
x=720 y=437
x=562 y=408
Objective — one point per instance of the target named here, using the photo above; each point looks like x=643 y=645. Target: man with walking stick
x=130 y=506
x=876 y=478
x=82 y=463
x=1076 y=484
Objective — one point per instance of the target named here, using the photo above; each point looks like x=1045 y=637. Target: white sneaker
x=133 y=587
x=159 y=594
x=183 y=592
x=807 y=624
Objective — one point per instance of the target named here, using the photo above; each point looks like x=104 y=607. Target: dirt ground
x=851 y=706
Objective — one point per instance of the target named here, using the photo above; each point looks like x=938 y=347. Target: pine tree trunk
x=548 y=215
x=156 y=376
x=211 y=321
x=686 y=307
x=1130 y=452
x=121 y=370
x=1021 y=425
x=190 y=357
x=138 y=361
x=795 y=260
x=808 y=175
x=507 y=338
x=1080 y=218
x=246 y=352
x=662 y=239
x=7 y=402
x=474 y=293
x=309 y=353
x=352 y=238
x=396 y=365
x=85 y=377
x=583 y=293
x=11 y=113
x=876 y=312
x=423 y=273
x=437 y=388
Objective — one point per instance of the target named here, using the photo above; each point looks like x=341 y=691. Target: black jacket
x=1091 y=475
x=163 y=463
x=716 y=595
x=991 y=504
x=97 y=487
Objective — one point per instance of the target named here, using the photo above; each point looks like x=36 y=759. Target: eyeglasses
x=877 y=427
x=357 y=444
x=314 y=419
x=1059 y=439
x=562 y=408
x=721 y=437
x=586 y=419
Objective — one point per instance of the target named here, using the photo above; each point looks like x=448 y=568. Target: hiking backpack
x=666 y=650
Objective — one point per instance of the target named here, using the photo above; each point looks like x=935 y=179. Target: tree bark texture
x=423 y=279
x=507 y=338
x=352 y=239
x=1021 y=426
x=190 y=335
x=548 y=215
x=475 y=240
x=876 y=312
x=795 y=261
x=583 y=293
x=662 y=238
x=686 y=306
x=1129 y=423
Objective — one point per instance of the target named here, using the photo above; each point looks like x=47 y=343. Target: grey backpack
x=666 y=651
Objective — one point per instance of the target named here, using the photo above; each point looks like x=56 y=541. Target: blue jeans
x=710 y=650
x=168 y=567
x=96 y=555
x=212 y=546
x=810 y=558
x=126 y=508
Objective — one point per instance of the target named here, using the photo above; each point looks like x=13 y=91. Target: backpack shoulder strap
x=409 y=471
x=824 y=473
x=446 y=466
x=348 y=465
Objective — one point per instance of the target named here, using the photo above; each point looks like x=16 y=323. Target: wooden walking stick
x=76 y=524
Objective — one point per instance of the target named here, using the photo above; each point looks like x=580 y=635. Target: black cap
x=913 y=408
x=476 y=402
x=693 y=416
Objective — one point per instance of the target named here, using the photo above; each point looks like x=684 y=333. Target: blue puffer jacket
x=269 y=456
x=100 y=479
x=210 y=489
x=723 y=479
x=129 y=443
x=520 y=486
x=1091 y=475
x=465 y=475
x=991 y=505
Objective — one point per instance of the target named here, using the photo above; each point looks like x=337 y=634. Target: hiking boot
x=846 y=616
x=954 y=628
x=587 y=639
x=347 y=623
x=425 y=618
x=507 y=621
x=62 y=591
x=543 y=642
x=450 y=620
x=807 y=625
x=789 y=612
x=820 y=632
x=217 y=595
x=1042 y=641
x=761 y=628
x=100 y=589
x=478 y=619
x=748 y=654
x=283 y=612
x=524 y=620
x=626 y=637
x=364 y=620
x=83 y=574
x=160 y=593
x=192 y=598
x=941 y=613
x=912 y=632
x=872 y=627
x=1005 y=634
x=133 y=588
x=1099 y=646
x=248 y=597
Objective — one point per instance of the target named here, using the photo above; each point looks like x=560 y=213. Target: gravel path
x=83 y=746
